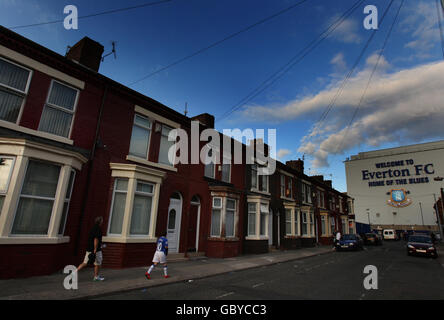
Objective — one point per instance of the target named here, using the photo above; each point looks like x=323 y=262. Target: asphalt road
x=339 y=275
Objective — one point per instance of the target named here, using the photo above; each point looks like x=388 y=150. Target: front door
x=192 y=228
x=173 y=231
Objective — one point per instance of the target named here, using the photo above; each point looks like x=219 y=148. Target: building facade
x=396 y=188
x=75 y=145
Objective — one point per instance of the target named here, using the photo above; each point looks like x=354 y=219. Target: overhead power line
x=371 y=76
x=149 y=4
x=440 y=24
x=293 y=61
x=349 y=74
x=219 y=41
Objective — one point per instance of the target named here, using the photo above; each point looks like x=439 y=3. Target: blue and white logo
x=398 y=198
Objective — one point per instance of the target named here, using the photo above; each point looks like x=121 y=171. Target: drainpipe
x=88 y=176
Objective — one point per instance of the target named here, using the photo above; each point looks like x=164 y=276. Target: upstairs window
x=140 y=138
x=58 y=113
x=282 y=185
x=210 y=167
x=226 y=169
x=14 y=83
x=165 y=146
x=289 y=192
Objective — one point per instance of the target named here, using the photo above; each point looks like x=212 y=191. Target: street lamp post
x=435 y=206
x=442 y=207
x=422 y=217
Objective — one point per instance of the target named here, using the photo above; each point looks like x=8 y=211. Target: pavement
x=123 y=280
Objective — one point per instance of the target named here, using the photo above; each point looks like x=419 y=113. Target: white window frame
x=234 y=216
x=219 y=234
x=72 y=112
x=254 y=173
x=115 y=190
x=258 y=201
x=160 y=145
x=312 y=224
x=324 y=224
x=282 y=185
x=224 y=165
x=23 y=94
x=4 y=193
x=304 y=222
x=67 y=201
x=150 y=129
x=289 y=221
x=143 y=194
x=249 y=214
x=20 y=195
x=24 y=151
x=135 y=174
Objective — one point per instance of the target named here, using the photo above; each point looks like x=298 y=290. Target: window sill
x=149 y=163
x=41 y=134
x=228 y=239
x=111 y=239
x=33 y=240
x=288 y=199
x=257 y=238
x=261 y=192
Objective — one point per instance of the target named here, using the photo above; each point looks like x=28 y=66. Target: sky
x=402 y=104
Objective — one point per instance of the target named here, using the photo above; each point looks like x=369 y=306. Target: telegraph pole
x=422 y=217
x=435 y=206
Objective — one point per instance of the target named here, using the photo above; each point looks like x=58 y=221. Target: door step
x=197 y=255
x=176 y=257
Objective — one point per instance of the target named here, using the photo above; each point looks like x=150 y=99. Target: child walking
x=160 y=256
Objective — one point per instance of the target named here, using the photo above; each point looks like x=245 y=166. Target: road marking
x=258 y=285
x=225 y=295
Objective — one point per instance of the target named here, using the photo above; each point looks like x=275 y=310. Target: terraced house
x=75 y=145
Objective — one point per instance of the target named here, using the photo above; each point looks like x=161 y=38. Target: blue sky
x=402 y=106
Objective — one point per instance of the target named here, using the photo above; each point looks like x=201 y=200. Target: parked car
x=350 y=242
x=390 y=234
x=421 y=244
x=372 y=239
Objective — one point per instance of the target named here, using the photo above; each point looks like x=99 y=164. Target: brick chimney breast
x=205 y=119
x=87 y=52
x=297 y=165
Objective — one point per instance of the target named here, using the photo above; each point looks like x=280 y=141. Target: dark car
x=421 y=244
x=373 y=239
x=350 y=242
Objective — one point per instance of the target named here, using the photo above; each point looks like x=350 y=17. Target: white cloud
x=399 y=106
x=282 y=153
x=347 y=31
x=421 y=24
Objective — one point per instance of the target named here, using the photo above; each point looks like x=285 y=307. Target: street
x=338 y=275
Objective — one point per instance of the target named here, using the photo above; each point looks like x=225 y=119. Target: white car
x=389 y=234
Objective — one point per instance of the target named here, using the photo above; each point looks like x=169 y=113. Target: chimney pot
x=87 y=52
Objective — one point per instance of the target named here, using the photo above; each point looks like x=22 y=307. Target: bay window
x=142 y=209
x=312 y=229
x=134 y=204
x=6 y=166
x=288 y=222
x=66 y=203
x=118 y=206
x=58 y=113
x=36 y=199
x=332 y=225
x=291 y=222
x=304 y=224
x=344 y=225
x=263 y=219
x=224 y=214
x=258 y=218
x=251 y=219
x=324 y=225
x=230 y=214
x=216 y=215
x=14 y=84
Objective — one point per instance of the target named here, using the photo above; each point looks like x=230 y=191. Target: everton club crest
x=398 y=198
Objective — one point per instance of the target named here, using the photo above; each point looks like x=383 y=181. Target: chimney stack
x=297 y=165
x=205 y=119
x=87 y=52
